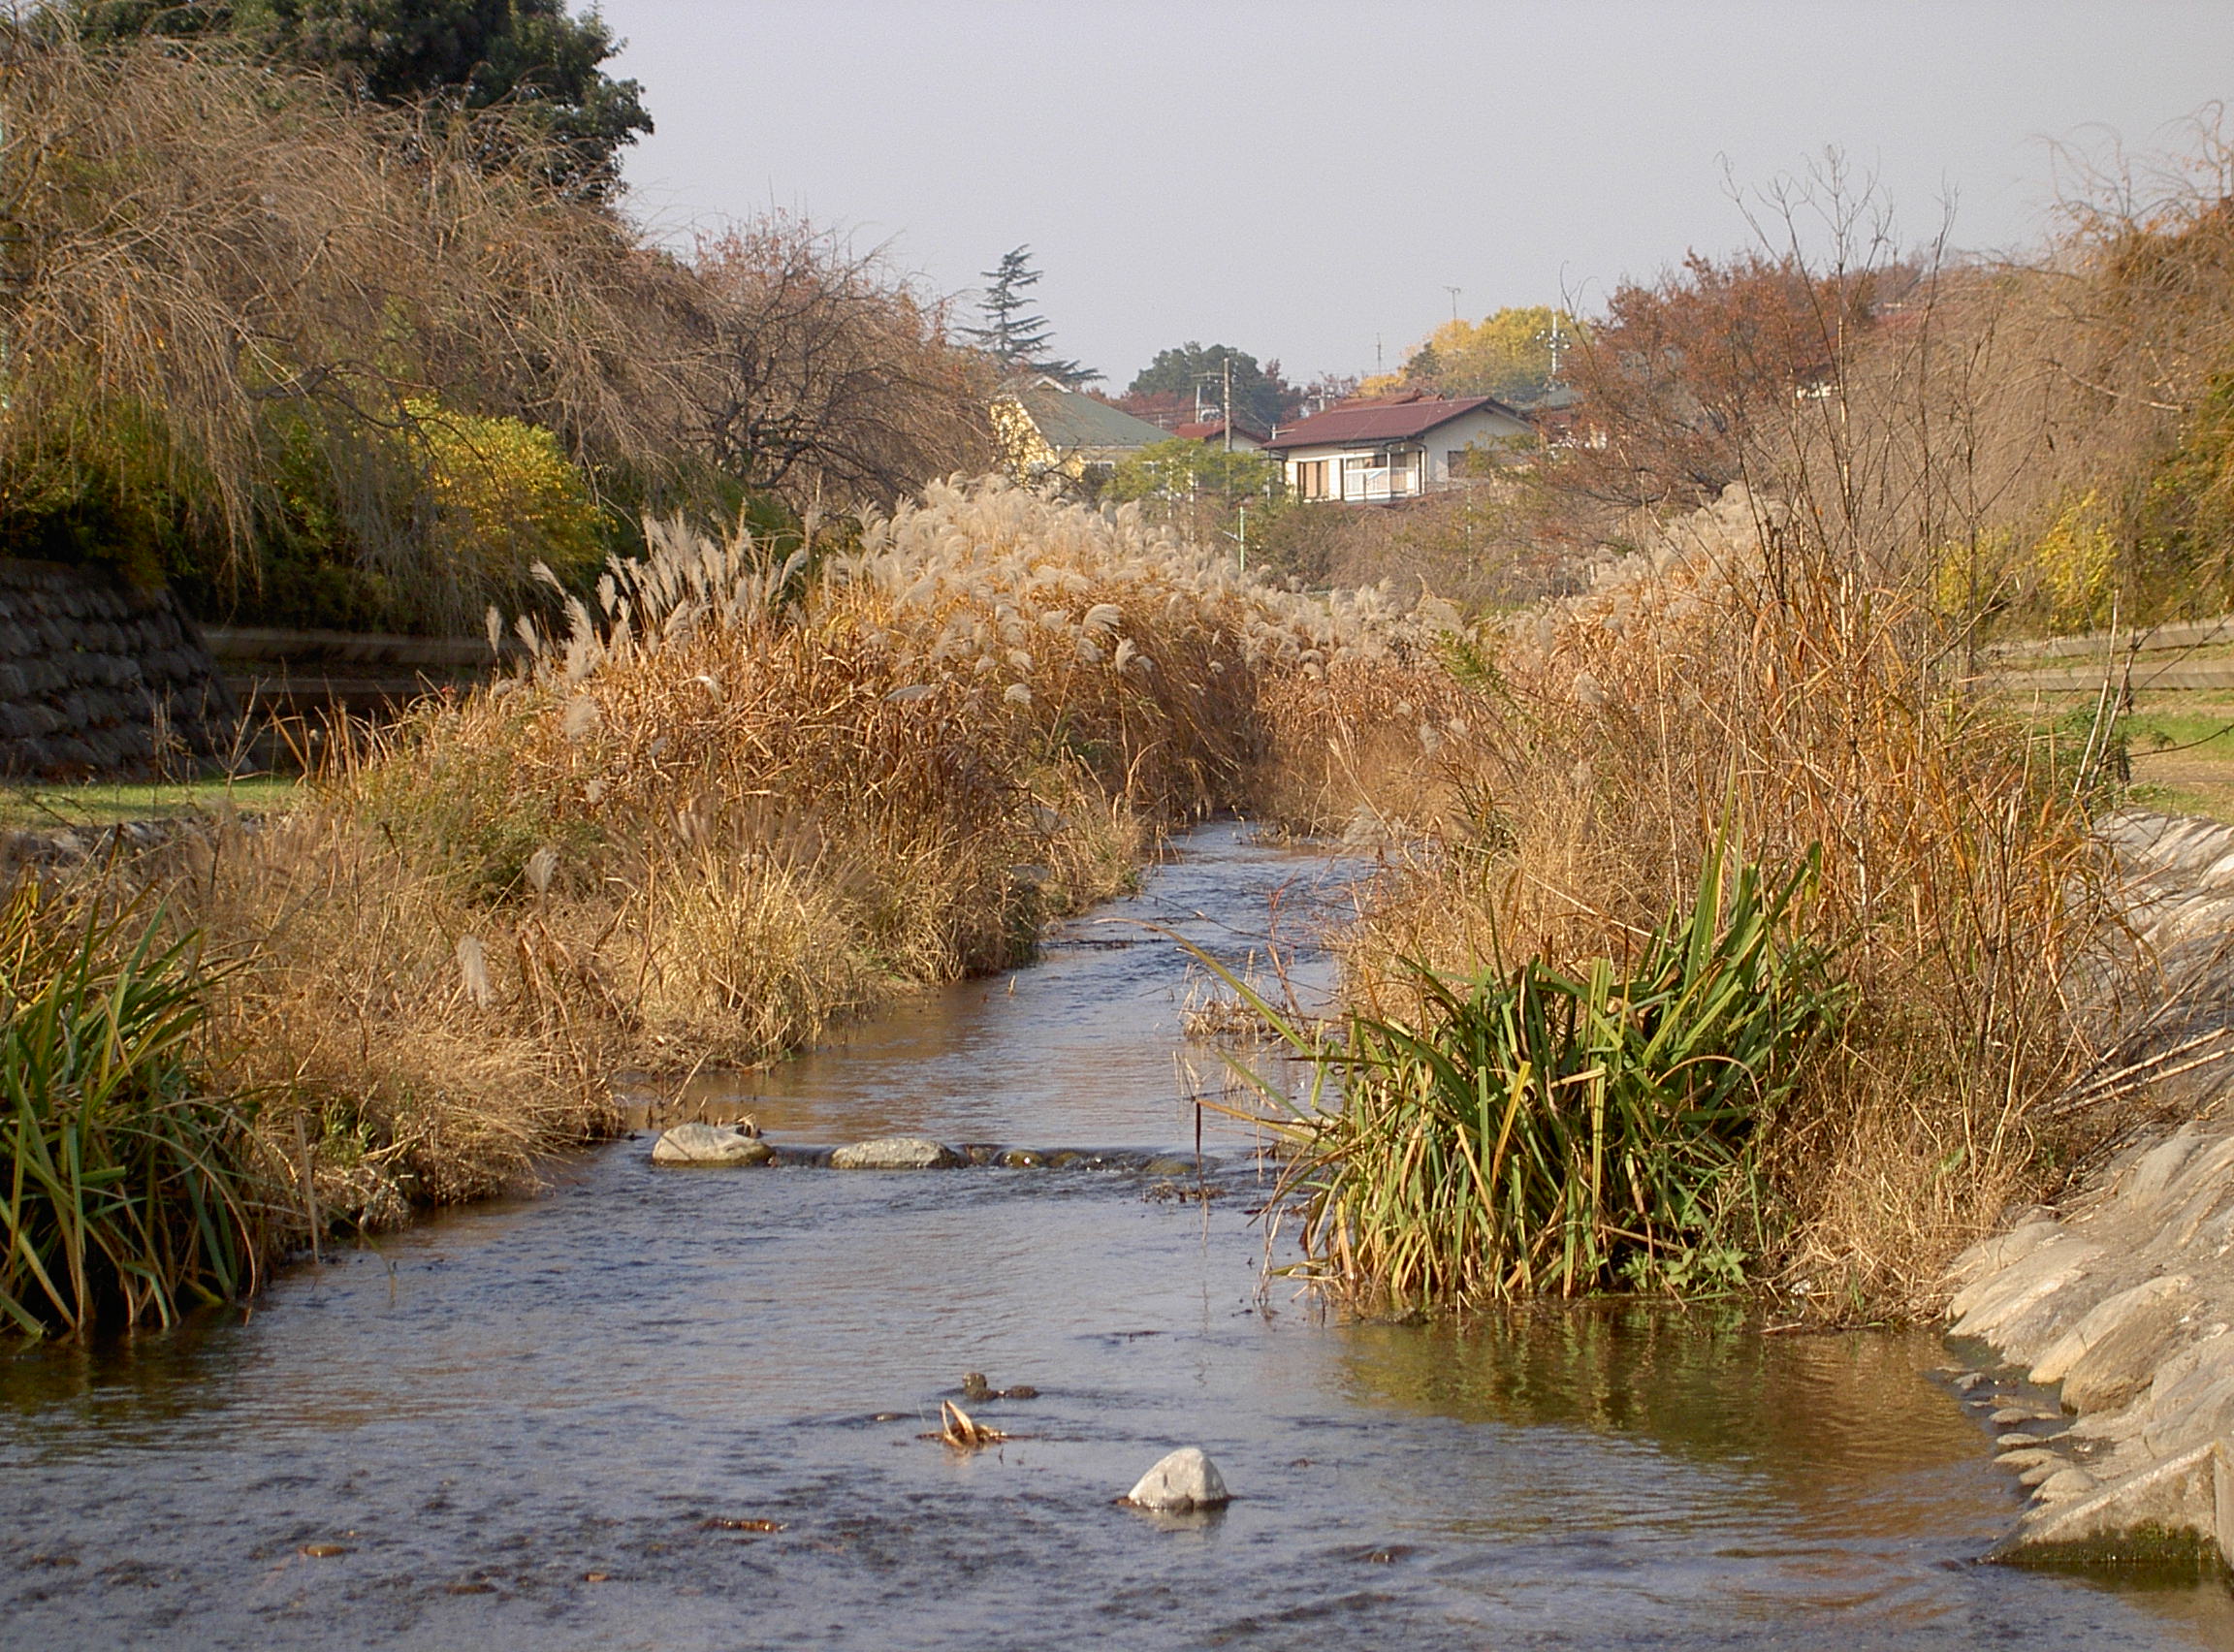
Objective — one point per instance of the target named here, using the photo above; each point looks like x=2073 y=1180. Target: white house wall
x=1480 y=427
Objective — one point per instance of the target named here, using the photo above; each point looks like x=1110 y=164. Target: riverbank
x=744 y=801
x=2116 y=1307
x=680 y=1409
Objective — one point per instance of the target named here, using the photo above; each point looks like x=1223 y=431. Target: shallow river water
x=526 y=1425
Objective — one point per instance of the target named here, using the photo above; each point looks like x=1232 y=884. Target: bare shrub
x=203 y=240
x=825 y=376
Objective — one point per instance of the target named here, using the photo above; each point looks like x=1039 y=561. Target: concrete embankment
x=2120 y=1305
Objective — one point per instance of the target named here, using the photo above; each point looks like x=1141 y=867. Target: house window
x=1452 y=461
x=1311 y=478
x=1393 y=473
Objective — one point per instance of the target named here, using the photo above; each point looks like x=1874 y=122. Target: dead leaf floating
x=964 y=1433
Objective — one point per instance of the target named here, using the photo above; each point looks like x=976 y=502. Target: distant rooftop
x=1070 y=422
x=1211 y=430
x=1385 y=419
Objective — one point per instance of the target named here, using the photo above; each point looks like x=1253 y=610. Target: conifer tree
x=1013 y=337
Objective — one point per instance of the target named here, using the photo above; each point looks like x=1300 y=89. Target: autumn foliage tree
x=1506 y=354
x=1678 y=375
x=313 y=358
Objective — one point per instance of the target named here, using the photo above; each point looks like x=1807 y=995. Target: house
x=1392 y=448
x=1247 y=437
x=1045 y=430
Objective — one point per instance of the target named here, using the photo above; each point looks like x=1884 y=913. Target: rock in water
x=709 y=1144
x=895 y=1153
x=1185 y=1479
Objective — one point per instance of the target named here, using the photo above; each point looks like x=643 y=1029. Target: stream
x=687 y=1409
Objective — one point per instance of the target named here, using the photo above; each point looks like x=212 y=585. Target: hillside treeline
x=2040 y=442
x=319 y=358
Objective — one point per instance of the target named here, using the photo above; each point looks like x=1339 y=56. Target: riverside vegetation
x=1729 y=935
x=738 y=794
x=1788 y=952
x=1813 y=485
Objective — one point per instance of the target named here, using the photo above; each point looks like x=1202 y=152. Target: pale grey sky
x=1301 y=179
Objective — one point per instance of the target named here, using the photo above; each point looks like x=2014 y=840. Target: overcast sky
x=1305 y=181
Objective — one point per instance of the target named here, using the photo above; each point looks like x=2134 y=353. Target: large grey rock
x=1987 y=1308
x=2139 y=1330
x=710 y=1144
x=2164 y=1510
x=1184 y=1480
x=895 y=1153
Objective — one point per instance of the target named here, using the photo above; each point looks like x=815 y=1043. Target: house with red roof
x=1392 y=448
x=1247 y=437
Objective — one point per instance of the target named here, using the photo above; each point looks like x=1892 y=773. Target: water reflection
x=1702 y=1381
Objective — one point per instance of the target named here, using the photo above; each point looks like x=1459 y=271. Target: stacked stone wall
x=100 y=679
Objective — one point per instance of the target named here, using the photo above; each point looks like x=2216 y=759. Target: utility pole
x=1227 y=364
x=1453 y=292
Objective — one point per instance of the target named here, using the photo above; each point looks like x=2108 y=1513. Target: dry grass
x=1732 y=674
x=738 y=801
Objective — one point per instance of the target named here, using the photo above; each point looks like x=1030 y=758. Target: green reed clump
x=128 y=1187
x=1539 y=1130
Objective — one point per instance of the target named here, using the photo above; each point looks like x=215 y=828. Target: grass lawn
x=104 y=803
x=2182 y=748
x=2179 y=742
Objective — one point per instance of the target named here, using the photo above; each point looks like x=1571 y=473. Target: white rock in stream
x=895 y=1153
x=710 y=1144
x=1185 y=1479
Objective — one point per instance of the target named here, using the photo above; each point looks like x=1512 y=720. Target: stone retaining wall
x=99 y=679
x=314 y=674
x=2118 y=1310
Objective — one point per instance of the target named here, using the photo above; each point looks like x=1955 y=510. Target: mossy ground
x=31 y=807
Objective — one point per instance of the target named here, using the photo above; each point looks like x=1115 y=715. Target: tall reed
x=1738 y=673
x=739 y=796
x=131 y=1188
x=1534 y=1130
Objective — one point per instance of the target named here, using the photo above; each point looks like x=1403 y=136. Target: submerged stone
x=895 y=1153
x=710 y=1144
x=1183 y=1481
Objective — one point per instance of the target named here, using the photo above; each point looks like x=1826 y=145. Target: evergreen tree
x=1013 y=337
x=1259 y=394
